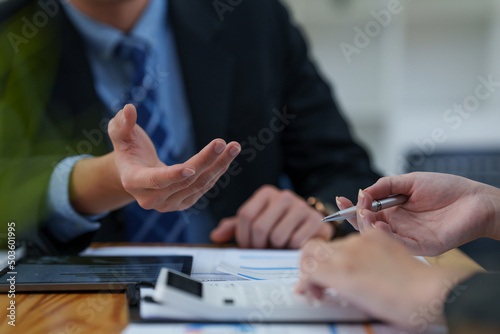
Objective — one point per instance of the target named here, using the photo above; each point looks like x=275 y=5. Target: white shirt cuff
x=65 y=223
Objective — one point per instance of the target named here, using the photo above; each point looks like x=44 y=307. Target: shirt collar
x=151 y=23
x=103 y=38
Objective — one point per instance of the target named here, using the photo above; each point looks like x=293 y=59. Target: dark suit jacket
x=247 y=77
x=473 y=306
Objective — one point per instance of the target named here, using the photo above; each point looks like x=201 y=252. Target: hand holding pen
x=377 y=205
x=439 y=210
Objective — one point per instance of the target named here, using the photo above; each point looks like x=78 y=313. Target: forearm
x=427 y=297
x=95 y=186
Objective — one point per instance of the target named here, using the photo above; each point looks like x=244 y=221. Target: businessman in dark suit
x=239 y=72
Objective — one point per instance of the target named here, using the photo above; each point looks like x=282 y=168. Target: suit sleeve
x=321 y=157
x=474 y=305
x=33 y=138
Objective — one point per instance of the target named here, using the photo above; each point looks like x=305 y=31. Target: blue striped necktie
x=148 y=225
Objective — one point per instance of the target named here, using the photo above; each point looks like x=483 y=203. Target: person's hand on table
x=138 y=174
x=374 y=272
x=443 y=211
x=273 y=218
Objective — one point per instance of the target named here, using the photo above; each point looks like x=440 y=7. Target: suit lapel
x=207 y=68
x=74 y=97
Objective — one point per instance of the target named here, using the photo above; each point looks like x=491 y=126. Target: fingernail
x=219 y=147
x=361 y=214
x=337 y=201
x=235 y=151
x=187 y=172
x=361 y=199
x=373 y=225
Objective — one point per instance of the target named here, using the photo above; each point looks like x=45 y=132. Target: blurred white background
x=396 y=91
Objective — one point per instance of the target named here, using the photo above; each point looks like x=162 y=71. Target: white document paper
x=238 y=263
x=232 y=329
x=271 y=329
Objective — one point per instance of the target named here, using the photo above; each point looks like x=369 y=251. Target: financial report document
x=216 y=265
x=220 y=264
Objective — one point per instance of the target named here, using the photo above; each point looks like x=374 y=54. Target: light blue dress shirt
x=112 y=78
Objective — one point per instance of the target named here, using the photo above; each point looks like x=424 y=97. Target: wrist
x=95 y=186
x=432 y=296
x=111 y=175
x=491 y=220
x=451 y=281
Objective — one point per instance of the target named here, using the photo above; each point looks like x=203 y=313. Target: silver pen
x=377 y=205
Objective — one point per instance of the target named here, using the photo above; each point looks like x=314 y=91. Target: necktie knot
x=132 y=49
x=136 y=52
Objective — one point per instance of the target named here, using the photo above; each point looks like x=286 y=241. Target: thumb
x=225 y=231
x=130 y=115
x=120 y=127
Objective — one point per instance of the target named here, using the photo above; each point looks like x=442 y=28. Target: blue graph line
x=267 y=257
x=275 y=268
x=254 y=278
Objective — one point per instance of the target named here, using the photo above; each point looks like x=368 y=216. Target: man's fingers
x=282 y=234
x=129 y=115
x=273 y=216
x=212 y=173
x=225 y=231
x=305 y=231
x=122 y=124
x=157 y=178
x=124 y=133
x=208 y=155
x=188 y=195
x=189 y=191
x=249 y=211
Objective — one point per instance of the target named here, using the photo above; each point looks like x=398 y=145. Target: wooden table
x=73 y=313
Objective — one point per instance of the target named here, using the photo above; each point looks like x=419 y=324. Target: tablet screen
x=70 y=273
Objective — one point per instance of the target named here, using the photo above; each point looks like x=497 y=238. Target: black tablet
x=80 y=273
